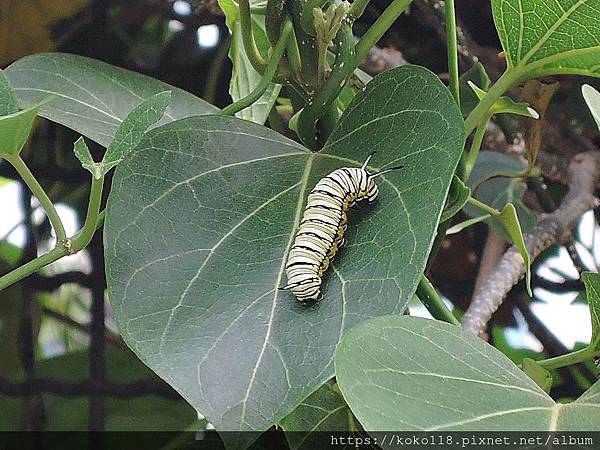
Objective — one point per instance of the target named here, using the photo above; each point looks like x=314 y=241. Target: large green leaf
x=406 y=373
x=93 y=97
x=200 y=220
x=550 y=37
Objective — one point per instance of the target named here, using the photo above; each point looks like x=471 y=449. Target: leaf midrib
x=297 y=217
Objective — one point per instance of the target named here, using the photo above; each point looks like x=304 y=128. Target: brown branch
x=492 y=252
x=584 y=171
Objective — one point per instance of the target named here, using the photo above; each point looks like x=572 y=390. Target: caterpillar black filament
x=322 y=228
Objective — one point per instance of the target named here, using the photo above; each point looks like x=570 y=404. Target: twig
x=584 y=171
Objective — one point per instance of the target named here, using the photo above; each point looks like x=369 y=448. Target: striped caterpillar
x=322 y=228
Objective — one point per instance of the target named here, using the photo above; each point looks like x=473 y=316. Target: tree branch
x=584 y=171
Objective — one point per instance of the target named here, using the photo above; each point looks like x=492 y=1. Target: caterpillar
x=322 y=227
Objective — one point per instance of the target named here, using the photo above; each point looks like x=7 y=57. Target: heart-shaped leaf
x=93 y=97
x=558 y=37
x=200 y=220
x=406 y=373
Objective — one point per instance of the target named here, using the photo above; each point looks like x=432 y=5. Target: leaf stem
x=378 y=29
x=568 y=359
x=433 y=302
x=80 y=240
x=83 y=237
x=41 y=195
x=483 y=207
x=267 y=77
x=471 y=158
x=451 y=38
x=508 y=78
x=254 y=56
x=33 y=266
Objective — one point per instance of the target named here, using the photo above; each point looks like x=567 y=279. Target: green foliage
x=93 y=97
x=212 y=278
x=128 y=135
x=201 y=217
x=406 y=373
x=546 y=38
x=478 y=76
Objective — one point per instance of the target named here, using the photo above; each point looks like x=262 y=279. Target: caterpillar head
x=371 y=190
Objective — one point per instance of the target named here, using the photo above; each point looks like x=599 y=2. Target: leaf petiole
x=433 y=302
x=37 y=190
x=568 y=359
